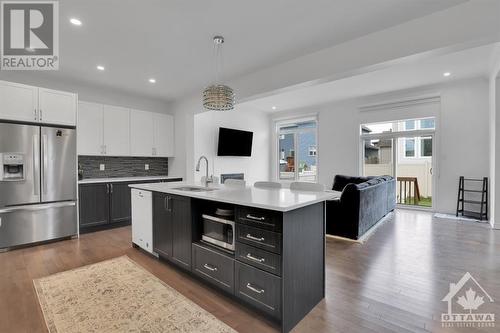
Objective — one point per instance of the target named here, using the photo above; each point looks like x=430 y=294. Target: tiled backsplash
x=122 y=166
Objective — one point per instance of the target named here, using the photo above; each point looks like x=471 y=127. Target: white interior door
x=141 y=133
x=90 y=129
x=57 y=107
x=18 y=102
x=116 y=130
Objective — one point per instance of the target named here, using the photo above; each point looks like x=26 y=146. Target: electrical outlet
x=146 y=166
x=102 y=167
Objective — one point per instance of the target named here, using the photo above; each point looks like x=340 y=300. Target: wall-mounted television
x=234 y=142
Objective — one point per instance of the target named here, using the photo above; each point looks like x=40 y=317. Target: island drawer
x=214 y=267
x=263 y=239
x=258 y=288
x=260 y=218
x=267 y=261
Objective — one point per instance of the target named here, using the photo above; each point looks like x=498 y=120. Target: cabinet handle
x=252 y=288
x=41 y=115
x=251 y=257
x=256 y=218
x=111 y=188
x=166 y=204
x=261 y=239
x=35 y=114
x=210 y=267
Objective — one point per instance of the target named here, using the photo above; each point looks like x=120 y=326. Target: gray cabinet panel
x=258 y=288
x=214 y=267
x=180 y=208
x=162 y=226
x=94 y=204
x=263 y=239
x=267 y=261
x=120 y=202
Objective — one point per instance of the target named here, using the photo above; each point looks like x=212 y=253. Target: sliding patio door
x=404 y=150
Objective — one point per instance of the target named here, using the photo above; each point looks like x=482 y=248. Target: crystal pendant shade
x=218 y=97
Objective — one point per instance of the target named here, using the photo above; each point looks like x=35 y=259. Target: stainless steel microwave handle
x=36 y=166
x=261 y=239
x=36 y=207
x=252 y=288
x=45 y=163
x=256 y=218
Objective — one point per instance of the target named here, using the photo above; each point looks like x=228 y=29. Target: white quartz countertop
x=282 y=200
x=124 y=179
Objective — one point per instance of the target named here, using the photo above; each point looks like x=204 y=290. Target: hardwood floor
x=392 y=283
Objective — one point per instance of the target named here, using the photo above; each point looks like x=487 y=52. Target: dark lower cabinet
x=106 y=205
x=172 y=237
x=120 y=202
x=162 y=226
x=94 y=205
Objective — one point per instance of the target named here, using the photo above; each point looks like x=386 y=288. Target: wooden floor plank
x=394 y=282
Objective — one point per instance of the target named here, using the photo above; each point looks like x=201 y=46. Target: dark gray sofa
x=364 y=202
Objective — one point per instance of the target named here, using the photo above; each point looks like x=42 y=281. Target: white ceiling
x=172 y=40
x=469 y=63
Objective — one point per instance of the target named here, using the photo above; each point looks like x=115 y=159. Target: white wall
x=462 y=136
x=206 y=129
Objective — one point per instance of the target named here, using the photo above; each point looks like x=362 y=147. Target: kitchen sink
x=194 y=189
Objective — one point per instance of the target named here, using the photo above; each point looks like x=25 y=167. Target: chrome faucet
x=210 y=179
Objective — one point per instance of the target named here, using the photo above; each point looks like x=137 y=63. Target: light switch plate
x=102 y=167
x=146 y=166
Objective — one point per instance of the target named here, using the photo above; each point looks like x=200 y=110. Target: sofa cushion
x=340 y=181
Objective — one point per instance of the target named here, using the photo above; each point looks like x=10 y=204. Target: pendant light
x=218 y=97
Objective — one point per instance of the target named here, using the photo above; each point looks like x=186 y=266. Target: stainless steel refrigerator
x=37 y=184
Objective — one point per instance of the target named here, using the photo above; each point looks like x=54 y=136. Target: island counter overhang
x=298 y=284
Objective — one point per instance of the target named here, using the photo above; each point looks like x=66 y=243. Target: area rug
x=118 y=295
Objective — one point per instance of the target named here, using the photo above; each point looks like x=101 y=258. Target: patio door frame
x=394 y=136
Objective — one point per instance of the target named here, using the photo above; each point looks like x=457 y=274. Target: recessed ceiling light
x=446 y=74
x=101 y=68
x=274 y=108
x=75 y=21
x=152 y=80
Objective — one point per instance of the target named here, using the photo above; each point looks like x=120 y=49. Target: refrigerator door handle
x=37 y=207
x=45 y=163
x=36 y=166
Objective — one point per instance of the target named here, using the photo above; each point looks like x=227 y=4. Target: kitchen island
x=274 y=259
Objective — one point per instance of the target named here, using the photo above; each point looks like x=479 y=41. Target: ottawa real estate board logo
x=29 y=35
x=467 y=305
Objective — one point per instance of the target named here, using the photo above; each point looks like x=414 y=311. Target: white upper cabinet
x=116 y=131
x=57 y=107
x=163 y=134
x=18 y=102
x=90 y=129
x=141 y=133
x=27 y=103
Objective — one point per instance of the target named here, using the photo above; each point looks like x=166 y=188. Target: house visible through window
x=312 y=151
x=297 y=151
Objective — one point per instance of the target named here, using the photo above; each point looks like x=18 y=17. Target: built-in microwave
x=218 y=231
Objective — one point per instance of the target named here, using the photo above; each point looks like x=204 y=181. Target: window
x=410 y=125
x=427 y=123
x=312 y=151
x=425 y=147
x=409 y=147
x=297 y=151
